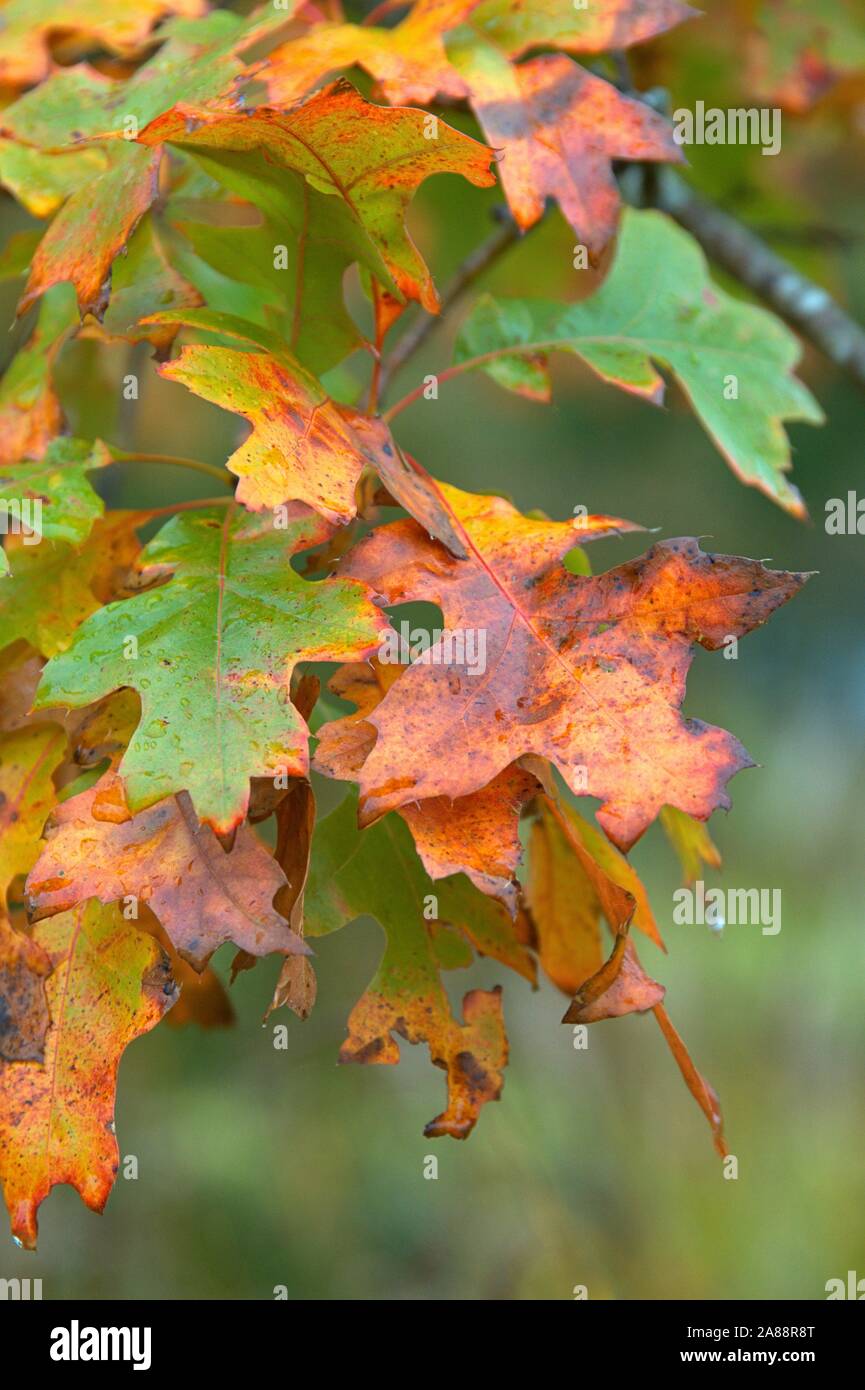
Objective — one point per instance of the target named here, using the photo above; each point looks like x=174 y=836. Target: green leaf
x=427 y=927
x=368 y=159
x=212 y=656
x=296 y=258
x=59 y=482
x=658 y=304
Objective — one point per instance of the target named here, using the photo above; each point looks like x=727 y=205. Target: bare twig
x=806 y=306
x=212 y=470
x=470 y=270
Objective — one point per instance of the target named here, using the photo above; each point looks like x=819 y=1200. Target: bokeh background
x=261 y=1168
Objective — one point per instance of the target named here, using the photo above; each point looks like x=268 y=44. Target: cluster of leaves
x=156 y=702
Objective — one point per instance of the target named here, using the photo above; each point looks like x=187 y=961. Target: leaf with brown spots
x=588 y=672
x=428 y=928
x=477 y=835
x=303 y=447
x=110 y=983
x=202 y=894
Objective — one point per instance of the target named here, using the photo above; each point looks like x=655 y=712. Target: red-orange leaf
x=559 y=129
x=476 y=835
x=202 y=894
x=588 y=672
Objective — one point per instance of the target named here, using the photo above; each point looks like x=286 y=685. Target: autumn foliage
x=206 y=181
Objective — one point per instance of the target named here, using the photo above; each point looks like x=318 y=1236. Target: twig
x=122 y=456
x=807 y=306
x=470 y=270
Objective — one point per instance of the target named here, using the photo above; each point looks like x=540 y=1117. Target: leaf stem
x=470 y=270
x=212 y=470
x=189 y=506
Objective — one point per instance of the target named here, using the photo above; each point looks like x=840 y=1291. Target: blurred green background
x=261 y=1167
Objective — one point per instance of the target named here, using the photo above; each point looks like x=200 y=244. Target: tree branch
x=470 y=270
x=806 y=306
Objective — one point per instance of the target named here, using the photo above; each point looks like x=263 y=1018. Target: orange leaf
x=303 y=447
x=202 y=894
x=476 y=835
x=558 y=129
x=57 y=1121
x=588 y=672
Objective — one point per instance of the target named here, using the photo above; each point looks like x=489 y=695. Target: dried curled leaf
x=376 y=871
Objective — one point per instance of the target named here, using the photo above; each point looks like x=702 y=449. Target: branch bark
x=806 y=306
x=470 y=270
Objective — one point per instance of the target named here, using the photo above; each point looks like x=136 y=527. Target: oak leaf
x=658 y=304
x=588 y=672
x=376 y=871
x=372 y=158
x=477 y=835
x=303 y=446
x=559 y=129
x=216 y=644
x=202 y=894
